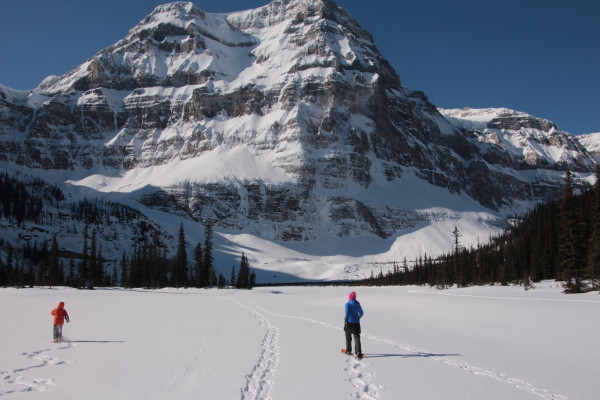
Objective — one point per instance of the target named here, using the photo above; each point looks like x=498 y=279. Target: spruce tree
x=243 y=278
x=83 y=265
x=232 y=279
x=42 y=268
x=212 y=277
x=124 y=270
x=71 y=278
x=222 y=282
x=208 y=246
x=3 y=274
x=570 y=259
x=180 y=268
x=53 y=264
x=593 y=261
x=93 y=262
x=252 y=279
x=201 y=277
x=457 y=264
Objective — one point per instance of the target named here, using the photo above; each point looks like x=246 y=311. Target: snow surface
x=487 y=343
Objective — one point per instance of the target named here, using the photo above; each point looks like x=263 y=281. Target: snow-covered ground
x=284 y=343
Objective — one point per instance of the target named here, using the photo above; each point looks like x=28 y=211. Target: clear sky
x=537 y=56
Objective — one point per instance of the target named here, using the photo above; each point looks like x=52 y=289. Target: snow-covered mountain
x=591 y=142
x=287 y=124
x=536 y=142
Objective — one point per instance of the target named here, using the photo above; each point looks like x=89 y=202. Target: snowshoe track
x=361 y=380
x=515 y=383
x=500 y=377
x=32 y=384
x=260 y=381
x=358 y=376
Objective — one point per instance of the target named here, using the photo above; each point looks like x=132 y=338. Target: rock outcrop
x=303 y=89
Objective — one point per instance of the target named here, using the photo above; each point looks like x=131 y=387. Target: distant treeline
x=145 y=261
x=24 y=200
x=557 y=240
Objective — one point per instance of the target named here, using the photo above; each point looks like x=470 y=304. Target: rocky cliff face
x=323 y=119
x=591 y=142
x=520 y=140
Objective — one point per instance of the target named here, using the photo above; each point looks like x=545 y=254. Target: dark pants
x=353 y=330
x=57 y=331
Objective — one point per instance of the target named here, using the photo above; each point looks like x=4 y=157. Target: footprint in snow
x=361 y=380
x=23 y=384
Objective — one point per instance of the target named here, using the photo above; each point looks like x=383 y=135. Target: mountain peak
x=179 y=13
x=503 y=118
x=177 y=9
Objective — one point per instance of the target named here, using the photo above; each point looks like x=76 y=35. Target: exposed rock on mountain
x=591 y=142
x=284 y=121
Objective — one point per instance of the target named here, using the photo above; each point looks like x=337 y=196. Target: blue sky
x=537 y=56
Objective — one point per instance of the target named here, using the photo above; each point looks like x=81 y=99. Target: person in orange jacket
x=60 y=316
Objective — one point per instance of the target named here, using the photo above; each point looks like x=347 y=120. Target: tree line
x=557 y=240
x=147 y=265
x=144 y=263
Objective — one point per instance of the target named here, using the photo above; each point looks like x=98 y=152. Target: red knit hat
x=352 y=296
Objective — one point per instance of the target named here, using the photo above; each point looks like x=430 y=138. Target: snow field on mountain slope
x=284 y=343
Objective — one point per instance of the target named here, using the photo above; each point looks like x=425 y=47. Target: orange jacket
x=60 y=314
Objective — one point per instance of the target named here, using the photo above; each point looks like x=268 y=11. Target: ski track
x=260 y=381
x=17 y=377
x=360 y=379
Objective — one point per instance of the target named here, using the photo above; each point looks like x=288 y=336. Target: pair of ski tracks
x=17 y=376
x=360 y=378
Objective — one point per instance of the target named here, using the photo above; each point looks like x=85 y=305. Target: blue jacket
x=354 y=312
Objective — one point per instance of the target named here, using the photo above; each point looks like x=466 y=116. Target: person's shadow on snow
x=95 y=341
x=369 y=355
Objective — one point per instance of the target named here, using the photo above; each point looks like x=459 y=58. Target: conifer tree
x=93 y=262
x=180 y=269
x=3 y=274
x=42 y=268
x=201 y=277
x=232 y=279
x=457 y=265
x=113 y=280
x=100 y=275
x=252 y=279
x=71 y=278
x=222 y=282
x=53 y=264
x=570 y=240
x=208 y=247
x=83 y=265
x=212 y=277
x=124 y=270
x=593 y=261
x=243 y=278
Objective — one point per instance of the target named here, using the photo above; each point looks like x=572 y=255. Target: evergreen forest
x=145 y=260
x=559 y=240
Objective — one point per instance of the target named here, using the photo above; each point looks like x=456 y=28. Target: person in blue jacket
x=354 y=313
